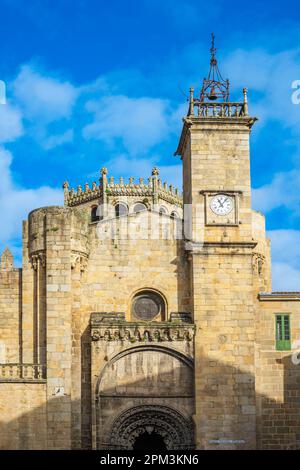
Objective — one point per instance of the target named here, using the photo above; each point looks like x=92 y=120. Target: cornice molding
x=113 y=327
x=279 y=296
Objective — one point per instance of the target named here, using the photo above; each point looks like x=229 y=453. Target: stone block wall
x=215 y=157
x=10 y=310
x=224 y=349
x=23 y=423
x=117 y=268
x=106 y=279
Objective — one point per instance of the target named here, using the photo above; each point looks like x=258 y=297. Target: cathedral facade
x=143 y=318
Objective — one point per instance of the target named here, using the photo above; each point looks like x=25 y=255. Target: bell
x=212 y=96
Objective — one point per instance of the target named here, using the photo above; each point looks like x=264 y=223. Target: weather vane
x=214 y=86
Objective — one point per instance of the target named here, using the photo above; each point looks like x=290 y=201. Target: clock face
x=221 y=204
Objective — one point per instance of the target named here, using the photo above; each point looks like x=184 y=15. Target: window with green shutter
x=283 y=332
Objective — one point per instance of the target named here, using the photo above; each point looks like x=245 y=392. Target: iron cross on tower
x=214 y=86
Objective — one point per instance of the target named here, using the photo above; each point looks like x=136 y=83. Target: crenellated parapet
x=83 y=194
x=152 y=187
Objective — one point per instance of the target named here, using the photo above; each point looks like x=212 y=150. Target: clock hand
x=225 y=201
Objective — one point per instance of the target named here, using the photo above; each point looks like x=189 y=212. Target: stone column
x=103 y=191
x=27 y=301
x=39 y=311
x=58 y=304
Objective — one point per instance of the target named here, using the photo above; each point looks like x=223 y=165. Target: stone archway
x=160 y=423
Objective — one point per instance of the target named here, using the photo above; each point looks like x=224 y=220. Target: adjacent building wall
x=278 y=376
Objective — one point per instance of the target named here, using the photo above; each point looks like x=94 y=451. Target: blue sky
x=94 y=82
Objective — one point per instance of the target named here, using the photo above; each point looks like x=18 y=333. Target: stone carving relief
x=79 y=260
x=38 y=259
x=258 y=262
x=111 y=326
x=143 y=333
x=176 y=431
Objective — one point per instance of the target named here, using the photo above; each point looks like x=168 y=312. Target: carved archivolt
x=176 y=431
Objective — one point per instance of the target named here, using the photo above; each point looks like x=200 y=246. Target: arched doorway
x=146 y=388
x=152 y=428
x=150 y=440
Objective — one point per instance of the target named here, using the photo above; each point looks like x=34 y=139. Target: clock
x=221 y=204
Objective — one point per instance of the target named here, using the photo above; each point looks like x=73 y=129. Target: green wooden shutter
x=283 y=332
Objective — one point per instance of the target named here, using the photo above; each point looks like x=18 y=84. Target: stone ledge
x=24 y=381
x=113 y=327
x=273 y=296
x=113 y=317
x=217 y=248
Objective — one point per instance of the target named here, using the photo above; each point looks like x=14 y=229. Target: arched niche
x=121 y=209
x=147 y=371
x=139 y=207
x=137 y=377
x=95 y=213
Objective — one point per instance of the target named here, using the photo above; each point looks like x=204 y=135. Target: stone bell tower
x=214 y=147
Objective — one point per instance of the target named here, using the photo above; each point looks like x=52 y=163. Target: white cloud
x=250 y=68
x=16 y=202
x=10 y=123
x=43 y=98
x=285 y=250
x=139 y=123
x=271 y=75
x=58 y=139
x=285 y=245
x=283 y=191
x=285 y=277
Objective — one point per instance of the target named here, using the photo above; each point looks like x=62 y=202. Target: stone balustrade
x=214 y=109
x=219 y=109
x=15 y=372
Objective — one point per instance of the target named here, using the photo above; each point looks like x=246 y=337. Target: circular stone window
x=147 y=306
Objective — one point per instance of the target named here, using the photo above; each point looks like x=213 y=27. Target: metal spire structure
x=214 y=86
